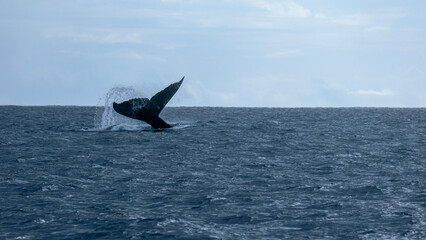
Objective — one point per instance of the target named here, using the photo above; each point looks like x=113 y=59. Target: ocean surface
x=220 y=173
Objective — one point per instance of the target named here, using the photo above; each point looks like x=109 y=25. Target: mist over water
x=220 y=173
x=107 y=118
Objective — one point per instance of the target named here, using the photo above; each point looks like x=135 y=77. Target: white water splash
x=109 y=118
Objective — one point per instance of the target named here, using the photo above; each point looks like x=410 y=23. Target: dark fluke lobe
x=147 y=110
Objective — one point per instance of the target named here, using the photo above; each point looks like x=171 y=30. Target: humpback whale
x=146 y=109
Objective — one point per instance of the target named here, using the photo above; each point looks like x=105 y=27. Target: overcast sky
x=253 y=53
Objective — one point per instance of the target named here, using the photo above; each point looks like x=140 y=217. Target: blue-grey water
x=220 y=173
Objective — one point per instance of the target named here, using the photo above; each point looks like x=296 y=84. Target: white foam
x=180 y=125
x=127 y=127
x=109 y=119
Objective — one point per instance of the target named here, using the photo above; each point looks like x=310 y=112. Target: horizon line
x=211 y=106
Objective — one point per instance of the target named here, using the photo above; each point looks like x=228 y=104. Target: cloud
x=372 y=22
x=284 y=8
x=377 y=28
x=370 y=92
x=353 y=20
x=350 y=20
x=100 y=36
x=284 y=53
x=136 y=56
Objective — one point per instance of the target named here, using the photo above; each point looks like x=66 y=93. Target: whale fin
x=131 y=108
x=148 y=110
x=160 y=99
x=138 y=108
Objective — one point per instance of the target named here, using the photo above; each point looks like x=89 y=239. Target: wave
x=125 y=127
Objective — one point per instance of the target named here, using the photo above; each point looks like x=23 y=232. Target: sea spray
x=105 y=116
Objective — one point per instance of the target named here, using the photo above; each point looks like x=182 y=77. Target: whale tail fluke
x=146 y=109
x=160 y=99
